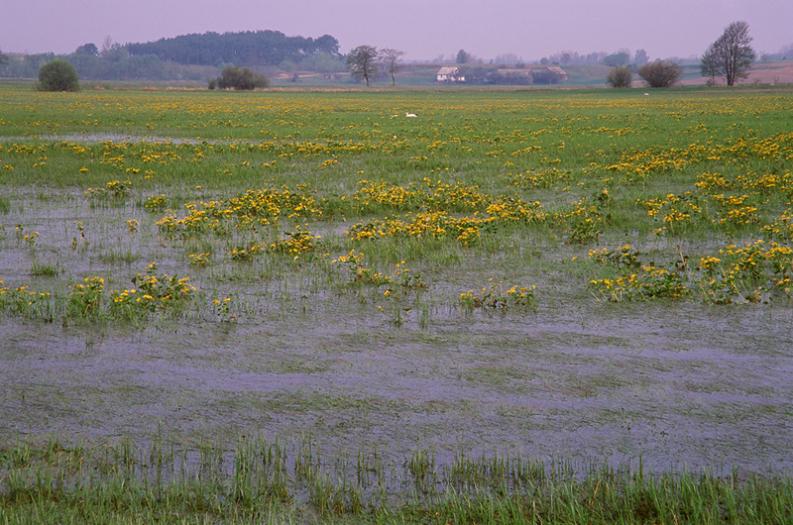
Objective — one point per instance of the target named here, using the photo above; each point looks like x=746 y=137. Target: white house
x=449 y=74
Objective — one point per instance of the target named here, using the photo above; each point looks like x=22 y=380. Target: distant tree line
x=617 y=59
x=248 y=48
x=188 y=57
x=786 y=53
x=116 y=66
x=494 y=74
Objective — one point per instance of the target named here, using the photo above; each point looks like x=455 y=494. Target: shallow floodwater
x=681 y=385
x=685 y=387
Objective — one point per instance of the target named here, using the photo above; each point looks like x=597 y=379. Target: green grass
x=259 y=481
x=44 y=270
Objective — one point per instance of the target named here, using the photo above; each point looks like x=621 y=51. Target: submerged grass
x=268 y=482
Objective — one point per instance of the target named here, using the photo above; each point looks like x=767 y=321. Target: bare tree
x=710 y=66
x=107 y=45
x=390 y=59
x=362 y=62
x=620 y=77
x=730 y=55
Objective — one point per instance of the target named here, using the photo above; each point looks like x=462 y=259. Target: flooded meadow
x=578 y=278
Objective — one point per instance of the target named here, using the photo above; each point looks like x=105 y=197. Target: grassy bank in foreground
x=261 y=482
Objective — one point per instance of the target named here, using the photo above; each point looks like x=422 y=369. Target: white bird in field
x=646 y=94
x=411 y=115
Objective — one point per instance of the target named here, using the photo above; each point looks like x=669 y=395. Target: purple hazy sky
x=422 y=28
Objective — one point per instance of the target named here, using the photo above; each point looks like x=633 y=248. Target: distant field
x=761 y=73
x=424 y=312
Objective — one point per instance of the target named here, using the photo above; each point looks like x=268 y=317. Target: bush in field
x=620 y=77
x=660 y=73
x=58 y=75
x=240 y=78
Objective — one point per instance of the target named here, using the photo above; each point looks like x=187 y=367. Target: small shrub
x=152 y=292
x=660 y=73
x=296 y=243
x=85 y=298
x=201 y=259
x=240 y=79
x=24 y=302
x=650 y=282
x=585 y=221
x=155 y=203
x=222 y=309
x=623 y=257
x=620 y=77
x=58 y=75
x=493 y=297
x=246 y=252
x=114 y=191
x=360 y=273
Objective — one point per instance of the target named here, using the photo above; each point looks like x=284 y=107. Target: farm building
x=449 y=74
x=548 y=74
x=488 y=74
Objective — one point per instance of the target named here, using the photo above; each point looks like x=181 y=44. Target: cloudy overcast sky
x=424 y=29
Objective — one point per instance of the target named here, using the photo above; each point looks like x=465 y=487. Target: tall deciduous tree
x=390 y=59
x=362 y=62
x=731 y=55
